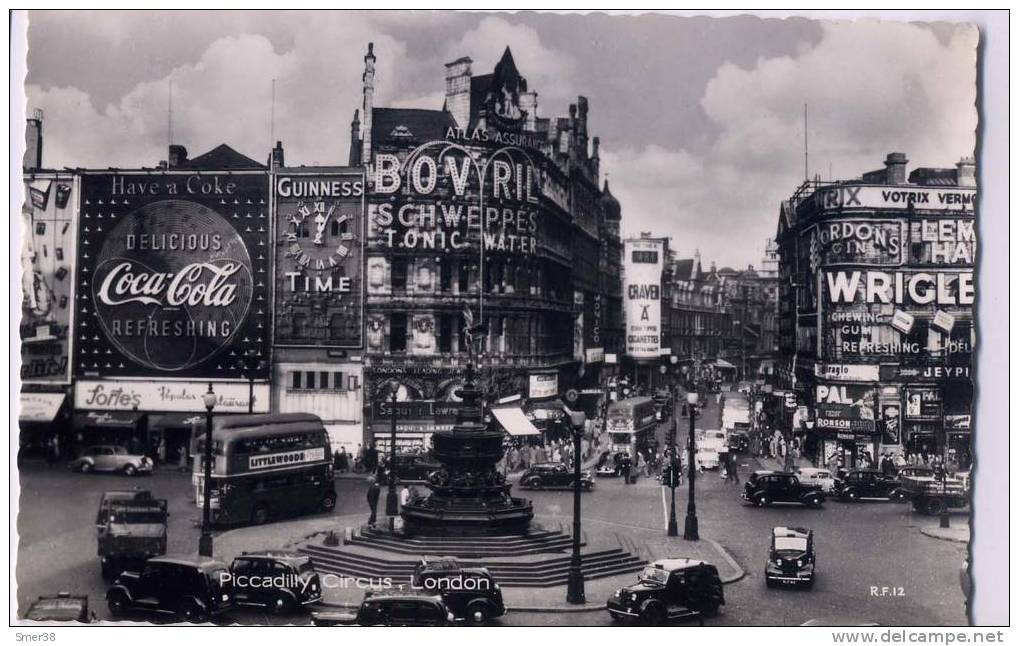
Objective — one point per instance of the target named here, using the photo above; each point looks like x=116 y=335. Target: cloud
x=872 y=88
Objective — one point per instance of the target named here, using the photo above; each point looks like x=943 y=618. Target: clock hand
x=322 y=224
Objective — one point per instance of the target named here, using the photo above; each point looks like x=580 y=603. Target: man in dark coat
x=373 y=499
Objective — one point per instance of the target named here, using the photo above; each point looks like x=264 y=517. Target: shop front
x=41 y=417
x=845 y=422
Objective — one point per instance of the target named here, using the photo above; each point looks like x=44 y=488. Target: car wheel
x=898 y=496
x=533 y=483
x=850 y=496
x=329 y=502
x=129 y=470
x=478 y=612
x=281 y=605
x=653 y=614
x=810 y=582
x=768 y=582
x=260 y=515
x=762 y=500
x=935 y=506
x=117 y=603
x=192 y=612
x=588 y=486
x=816 y=502
x=710 y=609
x=85 y=467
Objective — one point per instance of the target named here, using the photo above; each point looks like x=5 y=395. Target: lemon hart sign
x=173 y=275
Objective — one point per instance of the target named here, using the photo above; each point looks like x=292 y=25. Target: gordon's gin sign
x=173 y=286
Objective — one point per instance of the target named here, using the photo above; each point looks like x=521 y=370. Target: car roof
x=865 y=471
x=397 y=594
x=547 y=464
x=672 y=565
x=279 y=555
x=791 y=532
x=191 y=560
x=812 y=470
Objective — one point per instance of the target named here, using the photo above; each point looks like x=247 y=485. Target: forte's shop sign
x=172 y=275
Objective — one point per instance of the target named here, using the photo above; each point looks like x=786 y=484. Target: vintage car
x=867 y=484
x=739 y=442
x=470 y=593
x=767 y=487
x=821 y=477
x=192 y=588
x=111 y=458
x=130 y=528
x=547 y=475
x=707 y=457
x=278 y=581
x=391 y=608
x=415 y=467
x=669 y=589
x=610 y=464
x=791 y=557
x=63 y=606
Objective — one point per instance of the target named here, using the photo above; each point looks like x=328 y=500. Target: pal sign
x=642 y=275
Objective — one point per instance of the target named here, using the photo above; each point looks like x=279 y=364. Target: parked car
x=791 y=557
x=415 y=467
x=821 y=477
x=469 y=593
x=130 y=528
x=281 y=582
x=391 y=608
x=766 y=487
x=192 y=588
x=63 y=606
x=931 y=496
x=553 y=474
x=669 y=589
x=107 y=457
x=867 y=484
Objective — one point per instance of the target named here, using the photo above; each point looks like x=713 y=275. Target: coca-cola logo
x=172 y=285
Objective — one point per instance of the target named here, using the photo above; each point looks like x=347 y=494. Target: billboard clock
x=310 y=244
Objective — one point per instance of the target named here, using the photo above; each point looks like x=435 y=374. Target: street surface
x=873 y=562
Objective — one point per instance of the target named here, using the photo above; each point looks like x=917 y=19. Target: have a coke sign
x=173 y=282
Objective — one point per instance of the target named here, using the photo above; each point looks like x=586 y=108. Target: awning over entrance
x=348 y=436
x=40 y=407
x=107 y=419
x=722 y=363
x=162 y=421
x=514 y=421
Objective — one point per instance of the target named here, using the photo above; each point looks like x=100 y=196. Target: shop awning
x=161 y=421
x=106 y=419
x=348 y=436
x=514 y=421
x=40 y=407
x=722 y=363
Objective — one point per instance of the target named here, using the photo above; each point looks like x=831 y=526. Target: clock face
x=319 y=235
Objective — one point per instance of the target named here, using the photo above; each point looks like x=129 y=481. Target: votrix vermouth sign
x=173 y=274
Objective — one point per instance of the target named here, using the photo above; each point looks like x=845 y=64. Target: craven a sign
x=173 y=274
x=642 y=286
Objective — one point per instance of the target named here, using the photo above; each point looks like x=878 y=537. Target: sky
x=701 y=120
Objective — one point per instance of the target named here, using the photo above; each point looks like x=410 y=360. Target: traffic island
x=957 y=533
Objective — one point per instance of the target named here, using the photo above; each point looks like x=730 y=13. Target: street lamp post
x=690 y=530
x=575 y=583
x=943 y=520
x=673 y=529
x=392 y=506
x=205 y=541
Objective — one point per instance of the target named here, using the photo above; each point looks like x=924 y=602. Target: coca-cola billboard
x=173 y=275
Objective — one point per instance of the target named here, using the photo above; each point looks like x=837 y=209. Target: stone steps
x=551 y=570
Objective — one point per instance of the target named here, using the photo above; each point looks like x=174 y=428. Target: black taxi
x=391 y=608
x=470 y=593
x=278 y=581
x=669 y=589
x=791 y=557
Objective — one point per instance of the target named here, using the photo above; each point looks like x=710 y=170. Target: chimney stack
x=276 y=159
x=895 y=168
x=582 y=123
x=966 y=172
x=177 y=155
x=355 y=139
x=529 y=105
x=33 y=142
x=458 y=91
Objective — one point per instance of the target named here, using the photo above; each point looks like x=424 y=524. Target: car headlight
x=778 y=562
x=226 y=597
x=633 y=596
x=799 y=562
x=497 y=587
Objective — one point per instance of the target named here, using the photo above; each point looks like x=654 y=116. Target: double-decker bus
x=631 y=423
x=266 y=467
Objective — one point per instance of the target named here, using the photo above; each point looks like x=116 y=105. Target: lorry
x=130 y=528
x=931 y=495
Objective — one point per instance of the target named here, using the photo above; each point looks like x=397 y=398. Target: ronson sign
x=642 y=276
x=172 y=274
